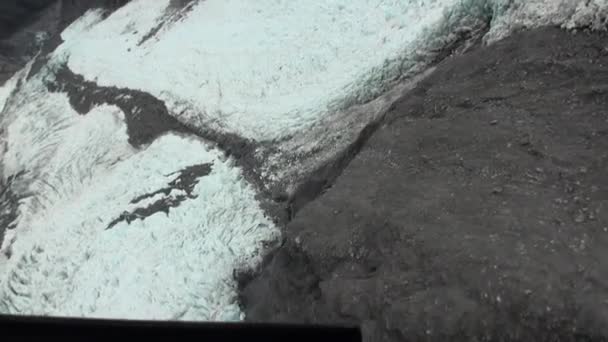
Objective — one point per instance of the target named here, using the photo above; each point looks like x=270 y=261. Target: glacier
x=271 y=71
x=81 y=174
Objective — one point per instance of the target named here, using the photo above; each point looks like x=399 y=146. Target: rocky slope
x=478 y=211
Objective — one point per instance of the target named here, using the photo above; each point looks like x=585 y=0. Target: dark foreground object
x=174 y=331
x=477 y=212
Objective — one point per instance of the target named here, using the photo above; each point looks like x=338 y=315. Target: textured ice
x=512 y=15
x=263 y=69
x=82 y=174
x=267 y=69
x=10 y=85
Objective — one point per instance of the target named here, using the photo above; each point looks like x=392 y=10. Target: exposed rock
x=146 y=116
x=421 y=249
x=14 y=14
x=185 y=180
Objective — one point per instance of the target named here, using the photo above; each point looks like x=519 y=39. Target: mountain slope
x=476 y=212
x=165 y=143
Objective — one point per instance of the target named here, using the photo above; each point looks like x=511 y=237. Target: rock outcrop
x=477 y=211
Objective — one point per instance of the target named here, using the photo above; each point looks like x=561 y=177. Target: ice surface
x=82 y=174
x=512 y=15
x=11 y=84
x=268 y=69
x=263 y=69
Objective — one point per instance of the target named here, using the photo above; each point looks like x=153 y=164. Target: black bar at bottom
x=27 y=326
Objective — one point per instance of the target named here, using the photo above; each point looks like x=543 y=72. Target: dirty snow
x=82 y=174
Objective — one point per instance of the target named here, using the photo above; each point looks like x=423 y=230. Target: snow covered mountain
x=143 y=150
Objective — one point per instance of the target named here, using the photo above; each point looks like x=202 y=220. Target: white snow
x=267 y=69
x=263 y=69
x=281 y=69
x=82 y=175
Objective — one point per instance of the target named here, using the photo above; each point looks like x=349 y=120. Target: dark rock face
x=20 y=25
x=478 y=211
x=15 y=13
x=146 y=116
x=184 y=180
